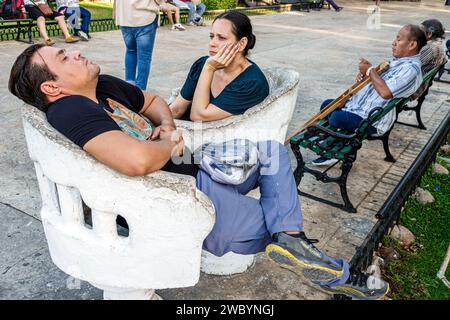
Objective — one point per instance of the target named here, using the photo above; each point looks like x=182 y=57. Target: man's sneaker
x=191 y=23
x=83 y=36
x=199 y=21
x=360 y=286
x=302 y=257
x=71 y=39
x=179 y=27
x=322 y=161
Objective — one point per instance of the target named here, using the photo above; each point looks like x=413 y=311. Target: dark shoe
x=360 y=286
x=322 y=161
x=302 y=257
x=83 y=36
x=339 y=9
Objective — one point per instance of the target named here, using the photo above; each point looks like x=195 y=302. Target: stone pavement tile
x=365 y=213
x=389 y=181
x=265 y=280
x=26 y=270
x=384 y=189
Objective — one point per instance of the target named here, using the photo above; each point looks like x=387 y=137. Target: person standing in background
x=138 y=23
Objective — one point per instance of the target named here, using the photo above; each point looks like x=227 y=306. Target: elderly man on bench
x=82 y=105
x=402 y=79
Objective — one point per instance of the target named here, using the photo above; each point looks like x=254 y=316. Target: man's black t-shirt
x=80 y=119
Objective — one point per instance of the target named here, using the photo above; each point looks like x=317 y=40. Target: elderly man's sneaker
x=298 y=254
x=71 y=39
x=83 y=36
x=322 y=161
x=360 y=286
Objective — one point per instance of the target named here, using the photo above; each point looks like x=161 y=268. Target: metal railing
x=389 y=213
x=96 y=25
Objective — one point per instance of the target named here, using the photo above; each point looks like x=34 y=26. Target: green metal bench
x=441 y=72
x=307 y=5
x=27 y=27
x=184 y=15
x=332 y=143
x=428 y=80
x=19 y=27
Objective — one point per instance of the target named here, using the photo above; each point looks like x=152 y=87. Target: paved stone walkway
x=325 y=48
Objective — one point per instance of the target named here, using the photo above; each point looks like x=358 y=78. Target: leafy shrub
x=220 y=4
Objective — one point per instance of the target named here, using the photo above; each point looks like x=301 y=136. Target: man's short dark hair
x=26 y=78
x=417 y=34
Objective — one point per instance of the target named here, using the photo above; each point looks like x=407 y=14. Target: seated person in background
x=402 y=79
x=334 y=5
x=432 y=55
x=196 y=10
x=36 y=14
x=81 y=104
x=170 y=9
x=224 y=83
x=72 y=10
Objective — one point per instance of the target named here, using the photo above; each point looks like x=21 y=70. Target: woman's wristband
x=368 y=71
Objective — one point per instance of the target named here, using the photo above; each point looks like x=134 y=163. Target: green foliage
x=98 y=10
x=220 y=4
x=414 y=275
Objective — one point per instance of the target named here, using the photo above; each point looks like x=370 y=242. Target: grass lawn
x=98 y=10
x=414 y=275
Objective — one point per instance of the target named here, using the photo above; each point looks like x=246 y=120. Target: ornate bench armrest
x=332 y=133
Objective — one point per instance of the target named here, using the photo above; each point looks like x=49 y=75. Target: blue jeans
x=333 y=4
x=139 y=43
x=199 y=8
x=345 y=120
x=245 y=225
x=74 y=14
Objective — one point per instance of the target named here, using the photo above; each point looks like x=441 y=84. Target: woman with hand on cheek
x=226 y=82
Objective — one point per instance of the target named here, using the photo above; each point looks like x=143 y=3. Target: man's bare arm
x=156 y=109
x=128 y=155
x=378 y=83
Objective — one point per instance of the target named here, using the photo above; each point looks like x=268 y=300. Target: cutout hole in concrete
x=123 y=229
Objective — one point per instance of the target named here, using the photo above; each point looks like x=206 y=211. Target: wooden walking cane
x=336 y=103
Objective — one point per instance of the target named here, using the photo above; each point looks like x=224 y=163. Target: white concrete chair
x=168 y=218
x=268 y=120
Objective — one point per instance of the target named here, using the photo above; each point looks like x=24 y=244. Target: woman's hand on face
x=223 y=57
